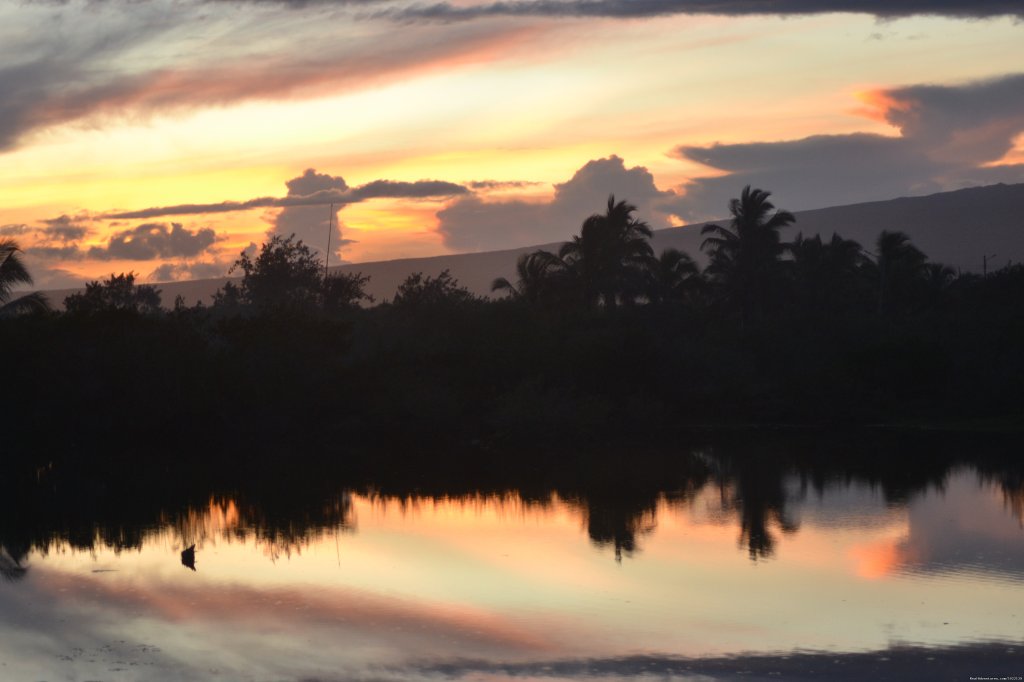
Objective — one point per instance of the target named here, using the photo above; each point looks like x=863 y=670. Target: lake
x=719 y=562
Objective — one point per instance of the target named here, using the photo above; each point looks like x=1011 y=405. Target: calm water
x=739 y=569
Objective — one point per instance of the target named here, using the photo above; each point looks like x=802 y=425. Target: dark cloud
x=446 y=11
x=186 y=270
x=412 y=190
x=155 y=240
x=472 y=224
x=949 y=137
x=317 y=199
x=14 y=230
x=64 y=229
x=68 y=252
x=501 y=184
x=972 y=123
x=328 y=193
x=86 y=70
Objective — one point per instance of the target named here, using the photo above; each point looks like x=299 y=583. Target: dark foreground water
x=739 y=568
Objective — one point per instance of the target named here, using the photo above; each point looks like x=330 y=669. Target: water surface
x=741 y=568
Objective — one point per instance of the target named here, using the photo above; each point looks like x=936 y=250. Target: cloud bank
x=93 y=63
x=326 y=192
x=949 y=137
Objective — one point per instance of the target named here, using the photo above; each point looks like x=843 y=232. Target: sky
x=165 y=137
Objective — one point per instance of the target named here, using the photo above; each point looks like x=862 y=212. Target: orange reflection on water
x=877 y=560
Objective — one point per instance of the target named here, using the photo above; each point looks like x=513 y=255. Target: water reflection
x=733 y=546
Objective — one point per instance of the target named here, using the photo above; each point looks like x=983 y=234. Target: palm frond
x=35 y=302
x=502 y=284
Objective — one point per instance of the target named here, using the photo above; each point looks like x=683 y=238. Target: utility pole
x=984 y=264
x=330 y=228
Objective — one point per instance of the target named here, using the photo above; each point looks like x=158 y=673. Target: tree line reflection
x=753 y=481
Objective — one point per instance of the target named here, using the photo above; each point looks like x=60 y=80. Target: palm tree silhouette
x=12 y=273
x=900 y=264
x=826 y=275
x=673 y=276
x=745 y=256
x=609 y=253
x=541 y=276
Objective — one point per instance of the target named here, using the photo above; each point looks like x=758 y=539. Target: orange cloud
x=878 y=105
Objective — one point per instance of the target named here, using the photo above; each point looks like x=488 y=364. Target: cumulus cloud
x=949 y=138
x=310 y=222
x=447 y=11
x=309 y=193
x=155 y=240
x=473 y=224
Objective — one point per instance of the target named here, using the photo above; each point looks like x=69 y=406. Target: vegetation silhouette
x=601 y=340
x=745 y=257
x=543 y=278
x=13 y=273
x=117 y=294
x=283 y=501
x=609 y=254
x=674 y=277
x=901 y=269
x=418 y=292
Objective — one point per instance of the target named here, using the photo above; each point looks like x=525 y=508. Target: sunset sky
x=164 y=137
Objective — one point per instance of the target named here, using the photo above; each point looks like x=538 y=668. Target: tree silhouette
x=285 y=274
x=673 y=276
x=901 y=266
x=12 y=273
x=827 y=276
x=609 y=254
x=745 y=256
x=541 y=276
x=119 y=293
x=345 y=291
x=418 y=291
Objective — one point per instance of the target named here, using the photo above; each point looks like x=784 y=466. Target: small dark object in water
x=188 y=557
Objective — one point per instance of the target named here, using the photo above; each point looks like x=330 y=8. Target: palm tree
x=673 y=276
x=745 y=256
x=12 y=273
x=900 y=265
x=541 y=276
x=609 y=253
x=937 y=279
x=827 y=275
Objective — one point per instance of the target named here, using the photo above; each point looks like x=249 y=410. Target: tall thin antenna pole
x=330 y=228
